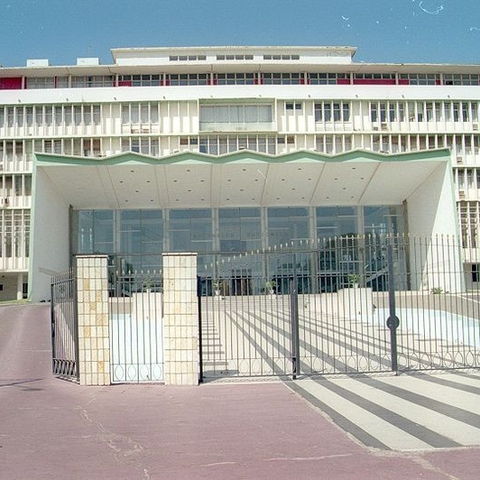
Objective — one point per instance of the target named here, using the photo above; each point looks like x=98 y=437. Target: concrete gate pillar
x=93 y=320
x=180 y=304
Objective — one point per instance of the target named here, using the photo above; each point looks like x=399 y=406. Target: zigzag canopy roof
x=245 y=178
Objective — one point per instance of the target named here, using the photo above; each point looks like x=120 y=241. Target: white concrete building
x=225 y=149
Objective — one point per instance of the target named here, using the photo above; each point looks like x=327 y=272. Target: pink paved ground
x=53 y=429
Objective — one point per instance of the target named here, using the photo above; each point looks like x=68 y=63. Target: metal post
x=294 y=320
x=52 y=321
x=200 y=350
x=74 y=285
x=392 y=322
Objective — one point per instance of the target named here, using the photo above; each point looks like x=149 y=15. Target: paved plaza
x=370 y=427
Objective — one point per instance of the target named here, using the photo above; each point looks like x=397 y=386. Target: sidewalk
x=53 y=429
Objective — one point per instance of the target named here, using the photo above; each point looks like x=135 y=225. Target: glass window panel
x=130 y=234
x=336 y=221
x=383 y=219
x=251 y=114
x=191 y=230
x=85 y=231
x=103 y=231
x=239 y=229
x=287 y=225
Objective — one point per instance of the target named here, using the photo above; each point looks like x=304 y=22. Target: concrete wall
x=432 y=215
x=431 y=207
x=49 y=246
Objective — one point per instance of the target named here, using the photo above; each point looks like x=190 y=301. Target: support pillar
x=180 y=305
x=93 y=320
x=20 y=286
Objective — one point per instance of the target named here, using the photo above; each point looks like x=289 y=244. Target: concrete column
x=180 y=305
x=93 y=320
x=20 y=286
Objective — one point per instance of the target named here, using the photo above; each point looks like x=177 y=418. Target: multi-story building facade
x=269 y=104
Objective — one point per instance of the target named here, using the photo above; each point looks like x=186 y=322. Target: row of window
x=467 y=178
x=222 y=144
x=469 y=215
x=14 y=233
x=253 y=78
x=424 y=111
x=14 y=186
x=196 y=58
x=235 y=114
x=66 y=115
x=86 y=147
x=326 y=111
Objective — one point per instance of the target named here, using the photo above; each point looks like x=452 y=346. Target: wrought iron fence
x=136 y=326
x=340 y=305
x=64 y=324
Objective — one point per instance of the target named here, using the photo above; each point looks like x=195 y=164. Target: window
x=387 y=112
x=282 y=78
x=328 y=78
x=10 y=116
x=52 y=146
x=333 y=144
x=141 y=231
x=140 y=116
x=234 y=57
x=461 y=79
x=239 y=229
x=187 y=79
x=234 y=78
x=187 y=58
x=336 y=221
x=293 y=106
x=62 y=82
x=419 y=79
x=287 y=225
x=220 y=145
x=43 y=82
x=281 y=57
x=15 y=232
x=92 y=147
x=336 y=111
x=374 y=78
x=475 y=272
x=213 y=115
x=92 y=81
x=143 y=145
x=469 y=213
x=190 y=230
x=95 y=231
x=139 y=80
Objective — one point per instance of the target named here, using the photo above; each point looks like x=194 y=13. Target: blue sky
x=433 y=31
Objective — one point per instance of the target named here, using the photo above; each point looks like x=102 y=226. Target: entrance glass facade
x=135 y=239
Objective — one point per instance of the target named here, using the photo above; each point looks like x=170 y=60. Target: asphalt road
x=54 y=429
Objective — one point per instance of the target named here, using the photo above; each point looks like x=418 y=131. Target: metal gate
x=64 y=324
x=352 y=304
x=136 y=327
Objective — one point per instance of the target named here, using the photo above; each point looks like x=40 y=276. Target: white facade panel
x=49 y=248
